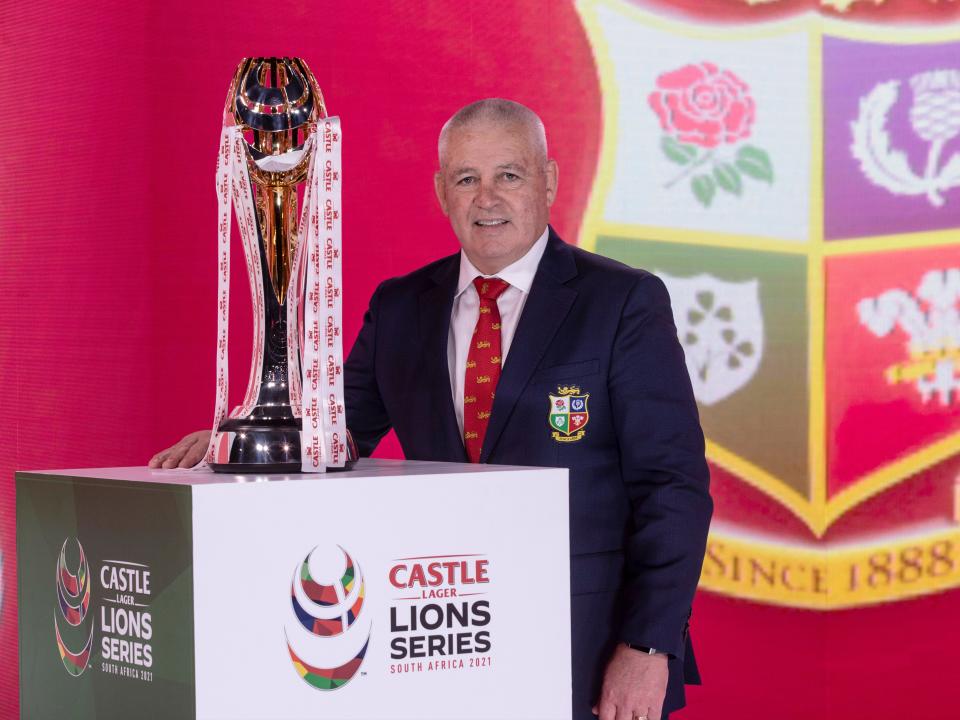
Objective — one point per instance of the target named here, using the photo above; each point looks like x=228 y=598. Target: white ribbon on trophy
x=316 y=265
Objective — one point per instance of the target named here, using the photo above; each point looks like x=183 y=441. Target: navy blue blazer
x=639 y=499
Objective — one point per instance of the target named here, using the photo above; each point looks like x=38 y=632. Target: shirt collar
x=519 y=273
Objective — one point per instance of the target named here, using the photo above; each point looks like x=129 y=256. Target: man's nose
x=486 y=195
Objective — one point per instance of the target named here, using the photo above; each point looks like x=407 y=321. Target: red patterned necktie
x=483 y=366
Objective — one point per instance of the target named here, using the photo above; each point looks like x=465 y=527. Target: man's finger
x=608 y=710
x=174 y=456
x=656 y=712
x=186 y=453
x=193 y=455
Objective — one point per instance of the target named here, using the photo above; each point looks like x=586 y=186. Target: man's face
x=496 y=191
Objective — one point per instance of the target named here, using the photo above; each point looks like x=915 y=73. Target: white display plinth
x=454 y=603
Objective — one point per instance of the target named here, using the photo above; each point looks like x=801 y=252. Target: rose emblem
x=701 y=108
x=703 y=105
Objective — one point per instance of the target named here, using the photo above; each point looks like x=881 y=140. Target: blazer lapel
x=547 y=305
x=435 y=306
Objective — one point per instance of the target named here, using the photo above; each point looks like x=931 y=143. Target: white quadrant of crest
x=777 y=71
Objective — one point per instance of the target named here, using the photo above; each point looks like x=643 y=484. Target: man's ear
x=440 y=190
x=552 y=178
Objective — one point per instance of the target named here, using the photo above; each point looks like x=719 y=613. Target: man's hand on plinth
x=634 y=686
x=186 y=453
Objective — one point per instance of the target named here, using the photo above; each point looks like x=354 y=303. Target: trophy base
x=256 y=468
x=267 y=447
x=270 y=469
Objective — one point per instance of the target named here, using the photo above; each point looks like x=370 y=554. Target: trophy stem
x=279 y=229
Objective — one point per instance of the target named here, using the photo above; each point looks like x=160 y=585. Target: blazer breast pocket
x=570 y=372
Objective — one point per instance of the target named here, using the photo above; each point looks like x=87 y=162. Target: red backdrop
x=107 y=282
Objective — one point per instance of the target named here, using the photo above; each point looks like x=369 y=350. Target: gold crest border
x=838 y=577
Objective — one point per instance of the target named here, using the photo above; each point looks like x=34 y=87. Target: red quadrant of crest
x=872 y=422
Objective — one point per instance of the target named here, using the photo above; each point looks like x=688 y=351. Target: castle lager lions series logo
x=73 y=604
x=797 y=188
x=325 y=641
x=440 y=618
x=126 y=622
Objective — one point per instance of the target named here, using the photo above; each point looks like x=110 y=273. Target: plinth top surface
x=365 y=468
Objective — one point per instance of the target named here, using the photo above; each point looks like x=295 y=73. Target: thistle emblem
x=934 y=117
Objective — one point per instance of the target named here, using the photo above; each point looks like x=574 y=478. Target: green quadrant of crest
x=765 y=422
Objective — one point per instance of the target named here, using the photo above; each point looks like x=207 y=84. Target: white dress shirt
x=466 y=310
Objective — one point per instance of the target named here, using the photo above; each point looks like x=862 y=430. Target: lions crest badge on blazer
x=568 y=414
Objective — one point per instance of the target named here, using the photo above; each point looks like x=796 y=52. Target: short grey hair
x=499 y=110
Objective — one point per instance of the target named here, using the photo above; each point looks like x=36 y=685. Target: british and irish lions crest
x=277 y=144
x=569 y=414
x=799 y=196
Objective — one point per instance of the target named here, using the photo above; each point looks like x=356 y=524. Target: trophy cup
x=279 y=150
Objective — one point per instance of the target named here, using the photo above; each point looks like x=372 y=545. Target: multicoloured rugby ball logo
x=327 y=596
x=73 y=602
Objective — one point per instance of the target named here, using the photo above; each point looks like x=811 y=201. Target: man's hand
x=186 y=453
x=634 y=686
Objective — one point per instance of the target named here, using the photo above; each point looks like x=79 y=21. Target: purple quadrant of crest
x=853 y=205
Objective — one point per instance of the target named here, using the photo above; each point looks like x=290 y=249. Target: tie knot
x=490 y=288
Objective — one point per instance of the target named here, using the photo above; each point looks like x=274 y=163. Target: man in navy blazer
x=639 y=499
x=574 y=325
